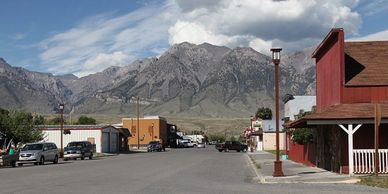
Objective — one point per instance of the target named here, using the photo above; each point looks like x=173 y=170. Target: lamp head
x=276 y=54
x=61 y=106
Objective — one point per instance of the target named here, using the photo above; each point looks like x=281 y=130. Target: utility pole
x=61 y=107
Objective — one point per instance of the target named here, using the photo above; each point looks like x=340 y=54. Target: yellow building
x=152 y=128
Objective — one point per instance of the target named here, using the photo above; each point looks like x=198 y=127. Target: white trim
x=350 y=131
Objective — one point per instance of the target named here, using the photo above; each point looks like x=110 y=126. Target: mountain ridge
x=186 y=80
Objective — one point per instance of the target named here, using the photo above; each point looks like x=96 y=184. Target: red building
x=351 y=78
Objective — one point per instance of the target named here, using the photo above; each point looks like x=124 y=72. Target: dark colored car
x=154 y=146
x=231 y=145
x=78 y=149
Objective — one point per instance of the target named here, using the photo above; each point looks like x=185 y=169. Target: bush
x=55 y=121
x=217 y=137
x=84 y=120
x=264 y=113
x=303 y=136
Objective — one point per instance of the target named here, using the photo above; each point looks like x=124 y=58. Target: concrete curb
x=291 y=179
x=258 y=175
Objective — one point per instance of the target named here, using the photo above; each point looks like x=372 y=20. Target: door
x=105 y=142
x=113 y=142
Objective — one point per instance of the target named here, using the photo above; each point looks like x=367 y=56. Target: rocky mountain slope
x=187 y=80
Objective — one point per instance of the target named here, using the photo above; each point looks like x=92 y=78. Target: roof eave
x=333 y=32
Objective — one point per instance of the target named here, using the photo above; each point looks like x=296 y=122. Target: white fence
x=364 y=162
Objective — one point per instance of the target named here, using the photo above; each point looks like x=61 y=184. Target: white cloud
x=103 y=61
x=261 y=45
x=103 y=40
x=378 y=36
x=195 y=33
x=228 y=21
x=88 y=47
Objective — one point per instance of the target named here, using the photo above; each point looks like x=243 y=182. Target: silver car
x=38 y=153
x=201 y=145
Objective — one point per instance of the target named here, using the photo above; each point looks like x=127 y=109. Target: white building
x=105 y=137
x=293 y=106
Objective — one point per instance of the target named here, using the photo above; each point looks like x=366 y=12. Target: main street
x=173 y=171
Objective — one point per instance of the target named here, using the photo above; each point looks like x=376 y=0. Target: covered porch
x=345 y=138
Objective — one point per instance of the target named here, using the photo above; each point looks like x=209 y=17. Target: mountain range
x=187 y=80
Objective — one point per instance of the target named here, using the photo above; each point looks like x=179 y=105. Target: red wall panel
x=365 y=94
x=329 y=73
x=304 y=154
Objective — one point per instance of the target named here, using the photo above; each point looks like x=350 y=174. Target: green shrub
x=303 y=136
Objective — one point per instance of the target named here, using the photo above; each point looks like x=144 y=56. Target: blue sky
x=83 y=36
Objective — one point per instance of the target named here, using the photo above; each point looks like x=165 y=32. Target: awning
x=256 y=133
x=124 y=131
x=362 y=113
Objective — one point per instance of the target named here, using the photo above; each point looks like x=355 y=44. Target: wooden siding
x=329 y=72
x=365 y=94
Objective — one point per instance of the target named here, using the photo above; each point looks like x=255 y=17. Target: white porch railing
x=364 y=162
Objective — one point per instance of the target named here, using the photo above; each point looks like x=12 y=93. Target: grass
x=380 y=181
x=274 y=151
x=257 y=165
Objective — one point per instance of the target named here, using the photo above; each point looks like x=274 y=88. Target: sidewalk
x=293 y=172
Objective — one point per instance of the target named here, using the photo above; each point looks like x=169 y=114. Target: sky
x=83 y=36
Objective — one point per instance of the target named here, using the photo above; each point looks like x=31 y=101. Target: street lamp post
x=138 y=126
x=250 y=137
x=61 y=107
x=276 y=60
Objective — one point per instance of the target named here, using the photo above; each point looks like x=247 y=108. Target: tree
x=21 y=128
x=39 y=120
x=4 y=118
x=303 y=136
x=264 y=113
x=84 y=120
x=55 y=121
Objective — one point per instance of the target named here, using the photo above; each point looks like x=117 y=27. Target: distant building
x=293 y=106
x=106 y=138
x=152 y=128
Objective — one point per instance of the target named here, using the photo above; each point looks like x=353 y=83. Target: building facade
x=151 y=128
x=104 y=137
x=352 y=82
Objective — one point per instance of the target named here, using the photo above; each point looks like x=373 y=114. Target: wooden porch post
x=350 y=131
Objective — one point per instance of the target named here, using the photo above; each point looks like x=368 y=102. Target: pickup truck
x=231 y=145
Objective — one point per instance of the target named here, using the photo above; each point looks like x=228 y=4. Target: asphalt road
x=175 y=171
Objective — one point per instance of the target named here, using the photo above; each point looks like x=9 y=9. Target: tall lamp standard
x=276 y=60
x=138 y=125
x=61 y=107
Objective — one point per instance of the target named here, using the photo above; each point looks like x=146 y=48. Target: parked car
x=9 y=160
x=201 y=145
x=38 y=153
x=78 y=149
x=231 y=145
x=212 y=142
x=154 y=146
